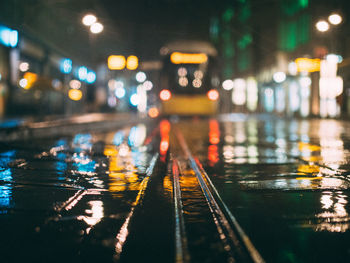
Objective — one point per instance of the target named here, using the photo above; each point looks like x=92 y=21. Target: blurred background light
x=24 y=66
x=227 y=84
x=120 y=92
x=335 y=19
x=141 y=77
x=213 y=94
x=75 y=94
x=23 y=83
x=292 y=68
x=182 y=72
x=89 y=19
x=197 y=83
x=91 y=77
x=183 y=81
x=165 y=95
x=239 y=92
x=112 y=84
x=147 y=85
x=198 y=74
x=269 y=100
x=30 y=78
x=308 y=64
x=74 y=84
x=279 y=77
x=153 y=112
x=8 y=37
x=66 y=65
x=116 y=62
x=322 y=26
x=132 y=62
x=252 y=94
x=82 y=73
x=119 y=84
x=96 y=28
x=305 y=81
x=334 y=58
x=188 y=58
x=134 y=99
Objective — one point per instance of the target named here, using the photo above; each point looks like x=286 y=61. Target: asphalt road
x=234 y=188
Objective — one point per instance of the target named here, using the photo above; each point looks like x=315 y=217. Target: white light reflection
x=94 y=214
x=335 y=217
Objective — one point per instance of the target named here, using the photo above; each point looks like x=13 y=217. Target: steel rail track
x=235 y=241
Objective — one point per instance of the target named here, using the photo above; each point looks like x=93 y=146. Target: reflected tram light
x=188 y=58
x=213 y=94
x=165 y=95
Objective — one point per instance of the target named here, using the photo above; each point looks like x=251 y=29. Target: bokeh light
x=96 y=28
x=89 y=19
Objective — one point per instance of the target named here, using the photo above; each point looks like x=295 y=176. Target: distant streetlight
x=335 y=19
x=96 y=28
x=322 y=26
x=89 y=19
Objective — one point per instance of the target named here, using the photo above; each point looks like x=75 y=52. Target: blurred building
x=280 y=61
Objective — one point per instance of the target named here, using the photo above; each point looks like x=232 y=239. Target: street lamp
x=322 y=26
x=335 y=19
x=89 y=19
x=96 y=28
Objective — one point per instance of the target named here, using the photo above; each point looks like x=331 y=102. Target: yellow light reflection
x=308 y=169
x=188 y=58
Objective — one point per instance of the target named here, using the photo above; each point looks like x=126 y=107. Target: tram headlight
x=213 y=94
x=165 y=95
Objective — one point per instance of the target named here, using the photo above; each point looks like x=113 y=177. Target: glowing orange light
x=75 y=94
x=153 y=112
x=214 y=132
x=31 y=78
x=132 y=63
x=308 y=64
x=213 y=155
x=164 y=146
x=164 y=128
x=188 y=58
x=116 y=62
x=165 y=95
x=213 y=94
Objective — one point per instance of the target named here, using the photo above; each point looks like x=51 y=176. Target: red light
x=165 y=95
x=214 y=132
x=164 y=146
x=213 y=94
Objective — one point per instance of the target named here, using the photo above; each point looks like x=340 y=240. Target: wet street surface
x=235 y=188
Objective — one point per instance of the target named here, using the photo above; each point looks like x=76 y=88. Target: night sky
x=130 y=26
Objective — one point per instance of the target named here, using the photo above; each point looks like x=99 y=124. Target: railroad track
x=237 y=247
